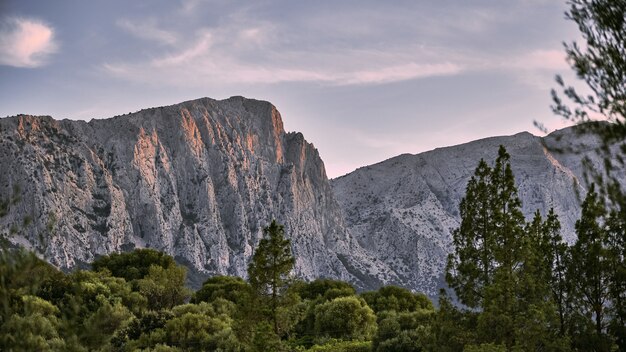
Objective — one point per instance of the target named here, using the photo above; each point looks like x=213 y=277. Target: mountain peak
x=198 y=180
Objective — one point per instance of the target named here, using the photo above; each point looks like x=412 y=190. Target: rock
x=198 y=180
x=403 y=210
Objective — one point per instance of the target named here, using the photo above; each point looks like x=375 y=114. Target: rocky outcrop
x=403 y=210
x=198 y=180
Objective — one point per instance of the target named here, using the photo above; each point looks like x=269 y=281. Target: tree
x=231 y=288
x=616 y=252
x=497 y=265
x=398 y=299
x=323 y=288
x=269 y=270
x=36 y=328
x=555 y=254
x=133 y=265
x=470 y=267
x=588 y=266
x=600 y=62
x=347 y=318
x=164 y=287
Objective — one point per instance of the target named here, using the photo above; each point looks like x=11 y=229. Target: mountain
x=403 y=210
x=198 y=180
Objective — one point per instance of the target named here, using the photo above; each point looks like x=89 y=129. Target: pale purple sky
x=363 y=80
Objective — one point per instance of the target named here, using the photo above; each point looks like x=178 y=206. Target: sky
x=363 y=80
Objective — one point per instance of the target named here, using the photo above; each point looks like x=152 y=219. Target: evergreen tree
x=470 y=267
x=600 y=62
x=499 y=265
x=501 y=306
x=616 y=252
x=555 y=252
x=270 y=267
x=588 y=267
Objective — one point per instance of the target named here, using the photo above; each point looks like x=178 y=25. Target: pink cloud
x=26 y=43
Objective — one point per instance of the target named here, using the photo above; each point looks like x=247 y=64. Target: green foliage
x=589 y=268
x=470 y=267
x=601 y=64
x=347 y=318
x=342 y=346
x=133 y=265
x=323 y=288
x=34 y=331
x=266 y=339
x=199 y=327
x=513 y=271
x=485 y=347
x=21 y=274
x=269 y=271
x=231 y=288
x=164 y=287
x=403 y=331
x=452 y=328
x=397 y=299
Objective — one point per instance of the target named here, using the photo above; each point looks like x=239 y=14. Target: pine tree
x=499 y=266
x=270 y=267
x=488 y=249
x=470 y=268
x=616 y=252
x=555 y=253
x=501 y=306
x=588 y=266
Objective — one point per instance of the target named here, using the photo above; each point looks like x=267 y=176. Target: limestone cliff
x=198 y=180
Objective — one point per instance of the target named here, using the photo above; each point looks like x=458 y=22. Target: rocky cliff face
x=404 y=209
x=198 y=180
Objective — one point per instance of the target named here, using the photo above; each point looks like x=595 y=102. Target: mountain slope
x=404 y=209
x=198 y=180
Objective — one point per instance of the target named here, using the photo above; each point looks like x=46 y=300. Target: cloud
x=398 y=73
x=271 y=43
x=248 y=54
x=148 y=30
x=26 y=42
x=542 y=60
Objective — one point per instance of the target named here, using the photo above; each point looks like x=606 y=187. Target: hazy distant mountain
x=200 y=179
x=403 y=210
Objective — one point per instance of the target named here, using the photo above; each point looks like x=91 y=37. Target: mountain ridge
x=404 y=209
x=200 y=179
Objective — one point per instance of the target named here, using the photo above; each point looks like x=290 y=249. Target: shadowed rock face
x=403 y=210
x=198 y=180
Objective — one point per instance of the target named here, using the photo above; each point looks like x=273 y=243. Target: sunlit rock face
x=198 y=180
x=403 y=210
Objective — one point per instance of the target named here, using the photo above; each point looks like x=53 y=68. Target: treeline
x=137 y=301
x=515 y=286
x=524 y=287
